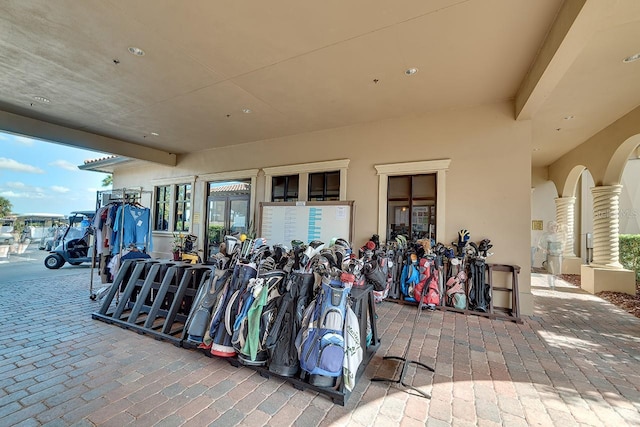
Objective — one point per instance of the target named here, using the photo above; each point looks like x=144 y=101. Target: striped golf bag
x=227 y=309
x=251 y=332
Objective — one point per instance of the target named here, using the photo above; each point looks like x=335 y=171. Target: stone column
x=606 y=252
x=565 y=207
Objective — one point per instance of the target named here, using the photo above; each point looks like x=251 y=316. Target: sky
x=43 y=177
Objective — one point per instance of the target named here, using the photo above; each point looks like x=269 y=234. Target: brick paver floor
x=575 y=362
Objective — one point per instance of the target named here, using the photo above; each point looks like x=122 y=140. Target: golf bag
x=397 y=258
x=456 y=285
x=479 y=292
x=429 y=277
x=244 y=304
x=376 y=272
x=322 y=343
x=410 y=276
x=283 y=355
x=203 y=303
x=226 y=310
x=254 y=329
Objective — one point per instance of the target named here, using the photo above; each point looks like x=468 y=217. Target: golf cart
x=73 y=246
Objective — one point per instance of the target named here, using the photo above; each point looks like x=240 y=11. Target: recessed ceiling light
x=411 y=71
x=632 y=58
x=246 y=110
x=136 y=51
x=42 y=99
x=536 y=149
x=569 y=117
x=155 y=134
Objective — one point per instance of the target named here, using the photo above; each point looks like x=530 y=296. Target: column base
x=571 y=265
x=596 y=279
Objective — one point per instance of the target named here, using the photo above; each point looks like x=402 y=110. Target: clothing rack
x=118 y=196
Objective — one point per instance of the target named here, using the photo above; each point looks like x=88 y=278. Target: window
x=163 y=199
x=284 y=188
x=172 y=207
x=324 y=186
x=182 y=211
x=419 y=201
x=411 y=206
x=307 y=181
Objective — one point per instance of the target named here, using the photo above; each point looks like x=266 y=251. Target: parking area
x=30 y=265
x=573 y=363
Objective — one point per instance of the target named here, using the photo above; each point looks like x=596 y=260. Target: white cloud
x=16 y=184
x=20 y=190
x=60 y=189
x=23 y=140
x=64 y=164
x=23 y=194
x=16 y=138
x=11 y=164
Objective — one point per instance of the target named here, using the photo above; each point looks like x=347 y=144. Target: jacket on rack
x=132 y=225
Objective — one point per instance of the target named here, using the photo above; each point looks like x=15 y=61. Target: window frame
x=303 y=170
x=165 y=202
x=173 y=184
x=324 y=189
x=186 y=203
x=285 y=197
x=438 y=167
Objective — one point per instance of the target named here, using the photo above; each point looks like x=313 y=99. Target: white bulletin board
x=280 y=223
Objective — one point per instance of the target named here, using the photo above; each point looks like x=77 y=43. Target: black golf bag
x=283 y=355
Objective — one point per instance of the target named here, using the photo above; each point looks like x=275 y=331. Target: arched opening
x=630 y=196
x=572 y=205
x=543 y=210
x=624 y=168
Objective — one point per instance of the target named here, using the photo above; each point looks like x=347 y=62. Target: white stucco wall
x=630 y=198
x=487 y=185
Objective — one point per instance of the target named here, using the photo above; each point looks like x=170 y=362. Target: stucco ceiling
x=303 y=66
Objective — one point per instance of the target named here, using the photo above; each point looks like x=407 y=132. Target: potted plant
x=176 y=248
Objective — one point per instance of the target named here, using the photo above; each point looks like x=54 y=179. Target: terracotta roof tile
x=100 y=159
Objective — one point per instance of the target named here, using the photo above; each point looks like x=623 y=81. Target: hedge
x=630 y=252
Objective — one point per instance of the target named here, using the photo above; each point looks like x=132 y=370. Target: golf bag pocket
x=376 y=274
x=459 y=301
x=332 y=320
x=456 y=296
x=324 y=353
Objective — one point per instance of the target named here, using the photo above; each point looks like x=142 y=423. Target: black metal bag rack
x=510 y=312
x=155 y=297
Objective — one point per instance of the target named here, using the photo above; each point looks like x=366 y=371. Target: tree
x=107 y=181
x=5 y=207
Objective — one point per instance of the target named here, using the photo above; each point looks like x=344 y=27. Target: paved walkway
x=575 y=362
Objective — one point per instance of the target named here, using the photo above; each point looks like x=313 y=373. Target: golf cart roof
x=85 y=213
